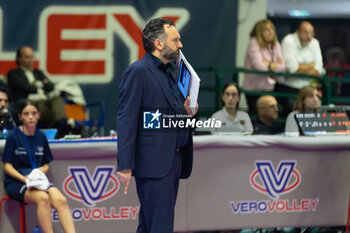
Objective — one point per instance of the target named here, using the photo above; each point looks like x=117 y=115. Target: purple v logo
x=275 y=182
x=93 y=188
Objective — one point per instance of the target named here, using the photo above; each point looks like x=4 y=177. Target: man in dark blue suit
x=160 y=156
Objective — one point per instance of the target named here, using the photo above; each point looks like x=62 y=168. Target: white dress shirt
x=40 y=95
x=294 y=54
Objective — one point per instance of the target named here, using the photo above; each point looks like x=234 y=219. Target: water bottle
x=37 y=230
x=4 y=133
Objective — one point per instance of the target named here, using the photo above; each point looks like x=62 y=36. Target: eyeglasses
x=30 y=113
x=232 y=94
x=273 y=106
x=311 y=33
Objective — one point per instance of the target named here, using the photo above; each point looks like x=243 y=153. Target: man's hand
x=124 y=176
x=188 y=109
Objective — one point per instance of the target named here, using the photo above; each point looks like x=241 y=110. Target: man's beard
x=169 y=54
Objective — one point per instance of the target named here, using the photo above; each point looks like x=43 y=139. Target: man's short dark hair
x=152 y=31
x=6 y=91
x=2 y=89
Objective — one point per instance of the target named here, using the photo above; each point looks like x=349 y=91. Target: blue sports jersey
x=16 y=152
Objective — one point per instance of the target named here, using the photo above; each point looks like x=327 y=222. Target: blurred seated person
x=264 y=53
x=6 y=119
x=302 y=54
x=27 y=82
x=307 y=102
x=267 y=108
x=232 y=119
x=335 y=58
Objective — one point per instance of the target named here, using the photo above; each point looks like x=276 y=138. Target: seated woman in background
x=307 y=102
x=232 y=119
x=27 y=150
x=264 y=53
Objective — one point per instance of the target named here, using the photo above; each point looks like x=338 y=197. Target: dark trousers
x=157 y=198
x=52 y=110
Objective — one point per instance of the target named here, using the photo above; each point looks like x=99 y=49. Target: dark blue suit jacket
x=149 y=153
x=20 y=86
